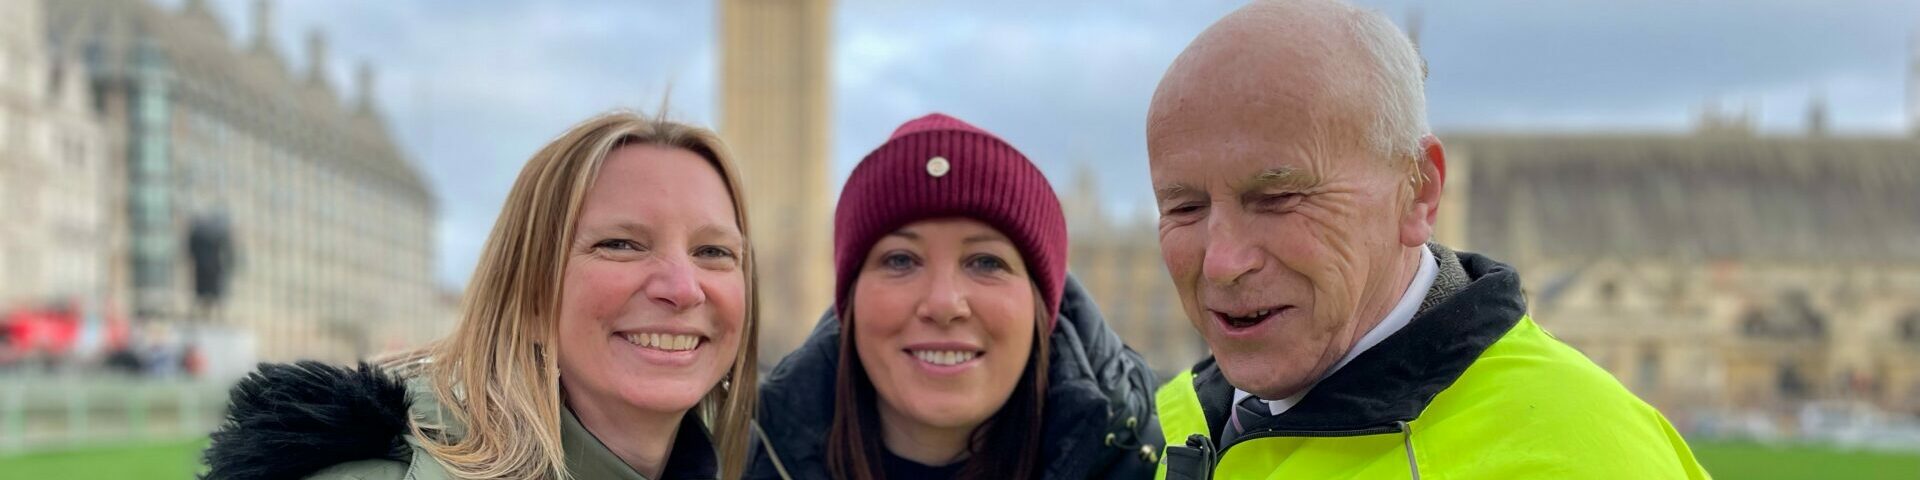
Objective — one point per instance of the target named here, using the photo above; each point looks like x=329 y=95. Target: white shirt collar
x=1396 y=319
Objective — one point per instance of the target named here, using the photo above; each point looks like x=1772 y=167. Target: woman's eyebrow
x=986 y=237
x=721 y=230
x=619 y=226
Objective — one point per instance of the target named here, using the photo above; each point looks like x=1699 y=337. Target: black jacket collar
x=1396 y=379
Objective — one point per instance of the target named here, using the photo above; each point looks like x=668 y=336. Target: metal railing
x=47 y=412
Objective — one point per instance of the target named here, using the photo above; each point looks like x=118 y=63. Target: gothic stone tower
x=774 y=114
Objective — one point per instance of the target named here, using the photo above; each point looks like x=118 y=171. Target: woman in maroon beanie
x=958 y=346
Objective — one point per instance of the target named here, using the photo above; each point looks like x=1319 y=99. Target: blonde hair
x=496 y=373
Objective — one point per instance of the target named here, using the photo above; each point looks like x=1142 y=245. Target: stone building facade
x=1721 y=270
x=332 y=224
x=55 y=176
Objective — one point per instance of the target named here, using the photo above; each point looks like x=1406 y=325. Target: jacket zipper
x=1394 y=428
x=1400 y=427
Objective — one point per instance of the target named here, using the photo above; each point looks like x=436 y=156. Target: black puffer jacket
x=1099 y=420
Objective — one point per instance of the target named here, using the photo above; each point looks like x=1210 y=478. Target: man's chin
x=1261 y=378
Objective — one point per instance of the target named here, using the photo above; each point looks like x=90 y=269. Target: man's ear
x=1416 y=223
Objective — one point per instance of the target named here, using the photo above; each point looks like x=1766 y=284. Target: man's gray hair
x=1397 y=83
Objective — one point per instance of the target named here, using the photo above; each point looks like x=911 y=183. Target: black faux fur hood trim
x=291 y=420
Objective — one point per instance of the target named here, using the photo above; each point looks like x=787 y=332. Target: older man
x=1298 y=187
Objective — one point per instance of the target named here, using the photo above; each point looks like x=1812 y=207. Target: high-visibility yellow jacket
x=1470 y=389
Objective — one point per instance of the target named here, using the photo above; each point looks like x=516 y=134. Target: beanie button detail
x=938 y=167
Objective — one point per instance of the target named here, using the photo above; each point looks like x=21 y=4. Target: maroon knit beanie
x=937 y=166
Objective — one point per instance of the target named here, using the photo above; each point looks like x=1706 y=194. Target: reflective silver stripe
x=1406 y=438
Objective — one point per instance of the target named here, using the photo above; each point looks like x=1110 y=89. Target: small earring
x=726 y=382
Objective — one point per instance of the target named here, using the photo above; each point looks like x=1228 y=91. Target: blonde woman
x=608 y=332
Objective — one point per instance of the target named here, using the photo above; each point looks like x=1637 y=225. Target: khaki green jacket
x=587 y=458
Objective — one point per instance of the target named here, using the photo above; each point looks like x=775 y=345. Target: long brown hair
x=1007 y=445
x=497 y=375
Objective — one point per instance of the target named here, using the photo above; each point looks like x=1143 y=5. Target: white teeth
x=944 y=357
x=664 y=341
x=1261 y=313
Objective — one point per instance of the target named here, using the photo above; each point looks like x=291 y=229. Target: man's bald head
x=1314 y=65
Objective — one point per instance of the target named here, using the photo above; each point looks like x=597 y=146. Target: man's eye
x=1279 y=201
x=1184 y=209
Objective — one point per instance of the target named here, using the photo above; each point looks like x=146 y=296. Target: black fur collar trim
x=291 y=420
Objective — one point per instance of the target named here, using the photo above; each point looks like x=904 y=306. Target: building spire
x=1413 y=26
x=262 y=26
x=1415 y=19
x=1913 y=82
x=363 y=88
x=1817 y=114
x=316 y=58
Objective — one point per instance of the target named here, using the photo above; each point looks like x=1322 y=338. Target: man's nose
x=1230 y=254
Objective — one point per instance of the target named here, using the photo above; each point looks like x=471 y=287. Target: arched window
x=1609 y=295
x=1789 y=382
x=1803 y=319
x=1908 y=327
x=1794 y=317
x=1753 y=323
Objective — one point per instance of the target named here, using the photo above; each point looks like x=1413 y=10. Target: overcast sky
x=471 y=88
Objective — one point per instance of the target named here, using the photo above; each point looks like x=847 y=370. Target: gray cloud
x=472 y=88
x=1639 y=64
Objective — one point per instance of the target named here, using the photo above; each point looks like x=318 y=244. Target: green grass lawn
x=1725 y=460
x=1753 y=461
x=172 y=460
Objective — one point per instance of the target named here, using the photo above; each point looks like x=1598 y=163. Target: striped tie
x=1249 y=410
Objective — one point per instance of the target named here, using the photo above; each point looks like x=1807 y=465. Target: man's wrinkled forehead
x=1269 y=69
x=1240 y=160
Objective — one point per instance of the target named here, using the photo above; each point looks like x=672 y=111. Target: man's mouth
x=1245 y=319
